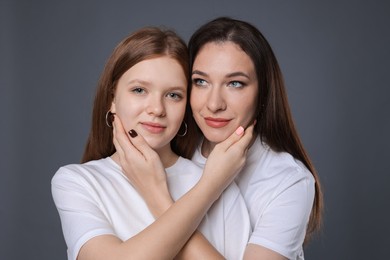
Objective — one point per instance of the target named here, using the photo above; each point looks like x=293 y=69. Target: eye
x=199 y=82
x=175 y=96
x=236 y=84
x=138 y=90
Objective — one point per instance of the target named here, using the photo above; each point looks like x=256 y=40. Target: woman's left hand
x=143 y=167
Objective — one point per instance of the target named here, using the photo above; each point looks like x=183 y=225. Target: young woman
x=143 y=89
x=236 y=79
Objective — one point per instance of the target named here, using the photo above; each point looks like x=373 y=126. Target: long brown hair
x=274 y=125
x=146 y=43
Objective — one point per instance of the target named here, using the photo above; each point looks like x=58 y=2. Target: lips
x=153 y=128
x=216 y=122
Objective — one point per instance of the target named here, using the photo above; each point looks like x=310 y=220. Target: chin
x=156 y=144
x=152 y=143
x=216 y=137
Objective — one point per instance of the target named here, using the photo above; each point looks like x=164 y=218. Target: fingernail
x=133 y=133
x=239 y=130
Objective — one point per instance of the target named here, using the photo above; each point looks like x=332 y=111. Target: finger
x=132 y=143
x=118 y=148
x=122 y=142
x=244 y=142
x=140 y=144
x=233 y=138
x=119 y=142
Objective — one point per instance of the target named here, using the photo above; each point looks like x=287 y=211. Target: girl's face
x=150 y=98
x=224 y=90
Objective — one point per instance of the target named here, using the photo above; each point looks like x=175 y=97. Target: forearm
x=179 y=222
x=164 y=238
x=197 y=246
x=257 y=252
x=172 y=230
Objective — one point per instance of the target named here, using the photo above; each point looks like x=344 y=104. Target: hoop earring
x=185 y=131
x=111 y=115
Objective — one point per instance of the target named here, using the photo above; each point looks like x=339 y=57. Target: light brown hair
x=146 y=43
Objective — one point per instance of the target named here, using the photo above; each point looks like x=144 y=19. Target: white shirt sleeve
x=281 y=227
x=81 y=217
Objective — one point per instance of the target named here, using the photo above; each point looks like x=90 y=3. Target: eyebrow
x=238 y=73
x=199 y=73
x=143 y=82
x=230 y=75
x=146 y=83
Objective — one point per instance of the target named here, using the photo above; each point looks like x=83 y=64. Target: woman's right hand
x=143 y=167
x=227 y=159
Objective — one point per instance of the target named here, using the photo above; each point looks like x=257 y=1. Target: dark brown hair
x=146 y=43
x=274 y=125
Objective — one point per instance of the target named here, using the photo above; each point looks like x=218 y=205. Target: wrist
x=208 y=190
x=159 y=203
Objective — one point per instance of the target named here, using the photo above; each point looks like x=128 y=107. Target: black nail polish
x=133 y=133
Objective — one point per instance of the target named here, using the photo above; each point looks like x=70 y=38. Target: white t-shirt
x=96 y=198
x=279 y=194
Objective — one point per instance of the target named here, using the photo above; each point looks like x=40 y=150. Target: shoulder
x=270 y=164
x=81 y=173
x=279 y=191
x=270 y=175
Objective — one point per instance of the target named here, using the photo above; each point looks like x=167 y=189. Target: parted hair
x=146 y=43
x=275 y=125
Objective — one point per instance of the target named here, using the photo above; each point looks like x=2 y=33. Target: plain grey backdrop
x=336 y=62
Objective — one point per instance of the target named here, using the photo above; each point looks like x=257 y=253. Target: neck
x=207 y=147
x=167 y=156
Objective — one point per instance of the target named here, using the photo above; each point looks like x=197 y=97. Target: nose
x=155 y=106
x=215 y=100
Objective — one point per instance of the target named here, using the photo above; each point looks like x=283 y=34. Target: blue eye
x=236 y=84
x=199 y=82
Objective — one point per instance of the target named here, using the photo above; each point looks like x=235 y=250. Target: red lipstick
x=216 y=122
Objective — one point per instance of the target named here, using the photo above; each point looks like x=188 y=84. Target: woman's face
x=224 y=90
x=150 y=98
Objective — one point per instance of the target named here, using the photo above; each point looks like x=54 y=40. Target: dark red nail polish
x=133 y=133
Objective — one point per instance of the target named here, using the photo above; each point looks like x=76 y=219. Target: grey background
x=335 y=58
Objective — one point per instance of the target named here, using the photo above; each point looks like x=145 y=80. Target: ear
x=113 y=106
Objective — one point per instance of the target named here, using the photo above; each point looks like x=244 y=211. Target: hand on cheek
x=227 y=158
